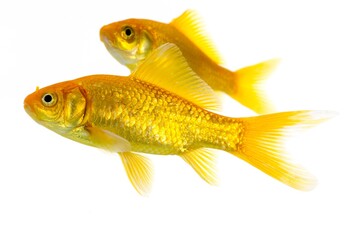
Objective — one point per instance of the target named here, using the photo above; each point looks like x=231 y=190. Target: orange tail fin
x=261 y=145
x=248 y=91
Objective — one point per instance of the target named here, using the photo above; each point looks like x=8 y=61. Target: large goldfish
x=132 y=40
x=161 y=109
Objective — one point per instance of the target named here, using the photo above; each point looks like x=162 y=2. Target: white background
x=53 y=188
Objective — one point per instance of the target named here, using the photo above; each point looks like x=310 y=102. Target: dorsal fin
x=190 y=25
x=167 y=68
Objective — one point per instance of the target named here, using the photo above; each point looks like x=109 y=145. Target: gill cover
x=133 y=56
x=74 y=108
x=145 y=45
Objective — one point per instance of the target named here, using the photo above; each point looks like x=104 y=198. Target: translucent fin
x=107 y=140
x=202 y=160
x=139 y=171
x=190 y=25
x=167 y=68
x=261 y=145
x=248 y=90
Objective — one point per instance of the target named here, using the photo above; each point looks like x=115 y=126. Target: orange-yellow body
x=147 y=113
x=153 y=120
x=131 y=41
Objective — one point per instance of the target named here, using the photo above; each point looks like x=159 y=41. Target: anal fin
x=202 y=160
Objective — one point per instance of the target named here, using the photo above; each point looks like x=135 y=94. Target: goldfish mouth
x=27 y=107
x=29 y=110
x=123 y=56
x=105 y=39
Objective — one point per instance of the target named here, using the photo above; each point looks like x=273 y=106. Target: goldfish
x=131 y=41
x=162 y=108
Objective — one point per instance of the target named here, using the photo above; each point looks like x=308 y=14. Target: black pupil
x=47 y=98
x=128 y=32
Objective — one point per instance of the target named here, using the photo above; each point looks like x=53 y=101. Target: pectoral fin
x=108 y=140
x=139 y=171
x=202 y=160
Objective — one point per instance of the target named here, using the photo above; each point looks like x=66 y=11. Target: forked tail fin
x=261 y=145
x=248 y=89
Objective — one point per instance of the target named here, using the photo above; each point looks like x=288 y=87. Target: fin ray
x=167 y=68
x=261 y=145
x=139 y=171
x=108 y=140
x=202 y=161
x=248 y=83
x=190 y=25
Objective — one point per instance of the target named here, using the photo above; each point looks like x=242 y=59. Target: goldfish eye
x=49 y=99
x=128 y=33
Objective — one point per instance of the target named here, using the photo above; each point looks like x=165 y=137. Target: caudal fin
x=261 y=145
x=248 y=89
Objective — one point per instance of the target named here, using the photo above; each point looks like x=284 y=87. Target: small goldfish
x=132 y=40
x=161 y=108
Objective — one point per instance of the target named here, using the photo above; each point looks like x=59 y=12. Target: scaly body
x=132 y=40
x=161 y=108
x=154 y=120
x=218 y=77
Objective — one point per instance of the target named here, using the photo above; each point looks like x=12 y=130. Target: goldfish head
x=128 y=41
x=59 y=107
